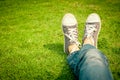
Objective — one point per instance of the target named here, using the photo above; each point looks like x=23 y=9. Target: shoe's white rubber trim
x=69 y=20
x=93 y=18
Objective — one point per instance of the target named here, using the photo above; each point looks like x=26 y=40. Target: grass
x=31 y=39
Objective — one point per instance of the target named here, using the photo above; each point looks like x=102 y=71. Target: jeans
x=89 y=64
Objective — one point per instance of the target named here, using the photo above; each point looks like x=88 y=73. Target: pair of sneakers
x=70 y=30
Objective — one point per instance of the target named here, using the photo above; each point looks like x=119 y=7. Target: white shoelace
x=72 y=35
x=90 y=29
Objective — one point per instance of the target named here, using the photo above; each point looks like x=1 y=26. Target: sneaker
x=69 y=26
x=92 y=28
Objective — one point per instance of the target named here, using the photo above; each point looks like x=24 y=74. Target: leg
x=89 y=64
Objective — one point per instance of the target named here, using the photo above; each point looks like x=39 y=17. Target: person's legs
x=88 y=63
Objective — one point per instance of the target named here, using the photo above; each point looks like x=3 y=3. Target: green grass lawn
x=31 y=39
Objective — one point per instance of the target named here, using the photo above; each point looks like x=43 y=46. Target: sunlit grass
x=31 y=39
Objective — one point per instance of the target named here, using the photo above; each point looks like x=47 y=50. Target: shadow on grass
x=66 y=73
x=57 y=47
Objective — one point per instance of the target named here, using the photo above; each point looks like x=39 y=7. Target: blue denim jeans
x=89 y=64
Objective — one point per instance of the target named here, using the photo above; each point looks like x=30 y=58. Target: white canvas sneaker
x=92 y=28
x=69 y=26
